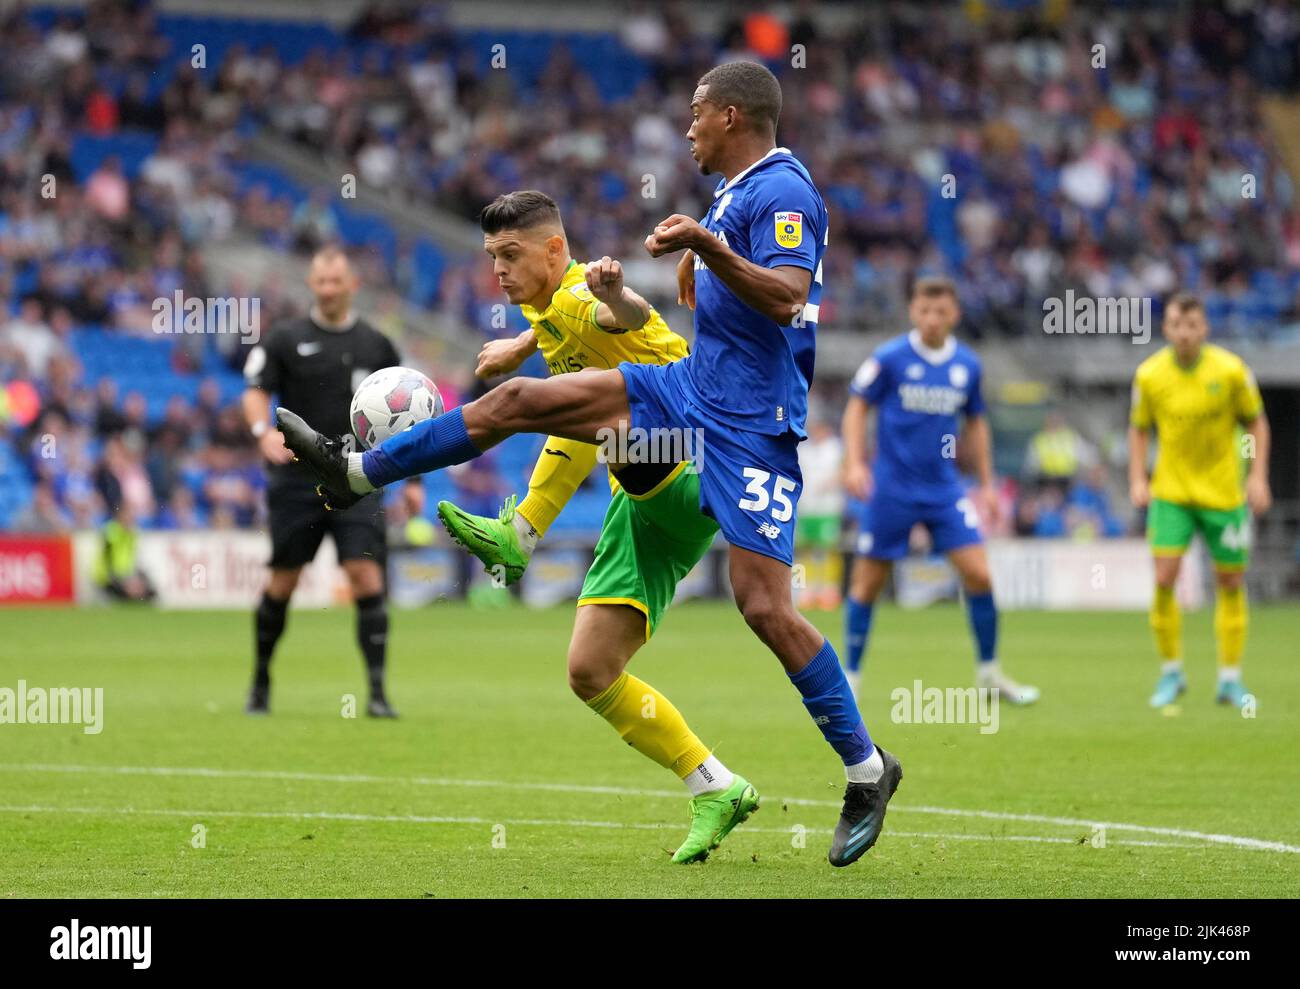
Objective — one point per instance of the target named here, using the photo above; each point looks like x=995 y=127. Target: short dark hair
x=518 y=211
x=1184 y=301
x=749 y=87
x=934 y=285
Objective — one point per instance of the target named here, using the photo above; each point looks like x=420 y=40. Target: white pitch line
x=540 y=822
x=1236 y=841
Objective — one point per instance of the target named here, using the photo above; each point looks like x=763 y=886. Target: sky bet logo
x=77 y=943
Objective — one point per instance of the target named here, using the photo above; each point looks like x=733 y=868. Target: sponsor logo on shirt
x=307 y=349
x=789 y=229
x=934 y=399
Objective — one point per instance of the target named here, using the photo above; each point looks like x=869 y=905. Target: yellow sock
x=562 y=466
x=650 y=724
x=1167 y=624
x=1230 y=621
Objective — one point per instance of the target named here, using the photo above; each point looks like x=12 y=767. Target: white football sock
x=1229 y=674
x=855 y=679
x=708 y=777
x=987 y=673
x=866 y=772
x=357 y=479
x=528 y=536
x=1171 y=666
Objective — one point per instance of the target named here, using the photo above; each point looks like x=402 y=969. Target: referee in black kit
x=314 y=363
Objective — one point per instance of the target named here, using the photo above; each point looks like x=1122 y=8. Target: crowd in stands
x=1115 y=180
x=1023 y=154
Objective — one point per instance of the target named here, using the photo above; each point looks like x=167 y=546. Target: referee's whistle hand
x=273 y=448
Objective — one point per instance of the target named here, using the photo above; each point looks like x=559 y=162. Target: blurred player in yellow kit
x=576 y=323
x=1204 y=405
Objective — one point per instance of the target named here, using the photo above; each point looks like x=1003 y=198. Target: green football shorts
x=1170 y=528
x=648 y=543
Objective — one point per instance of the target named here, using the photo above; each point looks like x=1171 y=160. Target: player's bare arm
x=777 y=293
x=256 y=404
x=1139 y=447
x=1259 y=496
x=853 y=427
x=504 y=356
x=686 y=280
x=980 y=438
x=620 y=308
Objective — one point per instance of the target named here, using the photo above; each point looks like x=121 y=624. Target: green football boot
x=494 y=541
x=713 y=815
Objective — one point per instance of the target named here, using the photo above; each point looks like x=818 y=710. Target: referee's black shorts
x=299 y=521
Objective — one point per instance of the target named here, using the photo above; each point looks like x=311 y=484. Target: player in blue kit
x=920 y=383
x=752 y=272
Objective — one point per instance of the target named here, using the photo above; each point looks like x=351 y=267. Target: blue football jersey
x=745 y=369
x=919 y=394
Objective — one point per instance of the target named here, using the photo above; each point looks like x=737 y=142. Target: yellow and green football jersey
x=1196 y=412
x=570 y=339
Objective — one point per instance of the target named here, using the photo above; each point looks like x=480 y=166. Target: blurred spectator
x=1056 y=454
x=43 y=515
x=117 y=569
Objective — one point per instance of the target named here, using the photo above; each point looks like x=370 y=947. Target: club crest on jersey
x=958 y=375
x=789 y=229
x=915 y=372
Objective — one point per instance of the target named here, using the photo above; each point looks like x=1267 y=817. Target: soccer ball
x=390 y=401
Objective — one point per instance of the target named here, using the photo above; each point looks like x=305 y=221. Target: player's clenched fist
x=499 y=357
x=674 y=234
x=605 y=279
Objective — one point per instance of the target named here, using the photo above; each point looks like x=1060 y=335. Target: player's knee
x=1229 y=580
x=587 y=679
x=1166 y=575
x=282 y=583
x=865 y=583
x=764 y=613
x=515 y=400
x=977 y=581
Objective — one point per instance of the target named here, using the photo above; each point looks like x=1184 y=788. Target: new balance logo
x=769 y=530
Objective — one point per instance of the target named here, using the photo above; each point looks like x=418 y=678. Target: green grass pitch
x=498 y=782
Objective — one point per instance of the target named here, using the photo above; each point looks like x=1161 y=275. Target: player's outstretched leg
x=605 y=637
x=505 y=544
x=577 y=406
x=497 y=542
x=762 y=588
x=972 y=563
x=325 y=456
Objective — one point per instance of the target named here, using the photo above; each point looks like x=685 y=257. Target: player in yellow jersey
x=1205 y=408
x=578 y=320
x=654 y=532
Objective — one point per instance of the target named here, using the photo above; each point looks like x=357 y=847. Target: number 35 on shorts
x=757 y=488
